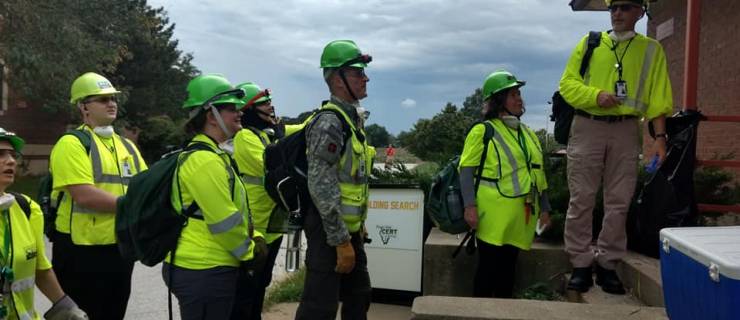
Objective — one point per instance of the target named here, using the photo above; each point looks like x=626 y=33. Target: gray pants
x=600 y=150
x=203 y=294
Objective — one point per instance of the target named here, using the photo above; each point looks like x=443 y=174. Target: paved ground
x=149 y=297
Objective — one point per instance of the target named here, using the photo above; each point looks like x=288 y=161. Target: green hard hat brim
x=222 y=100
x=516 y=84
x=15 y=141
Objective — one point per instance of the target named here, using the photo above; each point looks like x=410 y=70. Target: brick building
x=719 y=68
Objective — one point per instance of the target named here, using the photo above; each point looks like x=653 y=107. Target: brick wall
x=719 y=68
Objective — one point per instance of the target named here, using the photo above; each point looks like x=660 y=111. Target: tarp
x=667 y=195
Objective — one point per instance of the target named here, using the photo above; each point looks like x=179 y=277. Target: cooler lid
x=707 y=245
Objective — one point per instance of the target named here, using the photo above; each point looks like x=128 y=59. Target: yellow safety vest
x=354 y=170
x=644 y=68
x=249 y=149
x=513 y=176
x=113 y=165
x=27 y=256
x=224 y=236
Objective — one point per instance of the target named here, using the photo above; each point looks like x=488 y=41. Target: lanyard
x=619 y=60
x=5 y=254
x=522 y=142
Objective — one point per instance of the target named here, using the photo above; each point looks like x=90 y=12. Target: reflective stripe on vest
x=23 y=284
x=512 y=162
x=352 y=210
x=647 y=63
x=227 y=224
x=252 y=180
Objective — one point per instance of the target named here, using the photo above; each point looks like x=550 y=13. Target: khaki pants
x=600 y=150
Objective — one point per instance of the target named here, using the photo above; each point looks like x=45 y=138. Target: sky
x=426 y=53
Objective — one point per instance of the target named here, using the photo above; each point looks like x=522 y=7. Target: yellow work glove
x=345 y=257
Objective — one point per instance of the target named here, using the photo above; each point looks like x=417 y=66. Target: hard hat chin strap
x=346 y=84
x=220 y=121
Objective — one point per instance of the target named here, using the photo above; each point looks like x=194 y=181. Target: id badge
x=126 y=169
x=620 y=89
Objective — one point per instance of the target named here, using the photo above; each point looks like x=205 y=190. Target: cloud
x=408 y=103
x=436 y=51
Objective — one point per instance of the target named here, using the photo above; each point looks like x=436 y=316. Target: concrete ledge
x=642 y=275
x=445 y=276
x=443 y=308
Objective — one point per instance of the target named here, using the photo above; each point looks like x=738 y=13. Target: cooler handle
x=714 y=272
x=666 y=245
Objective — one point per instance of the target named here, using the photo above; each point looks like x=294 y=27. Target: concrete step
x=438 y=308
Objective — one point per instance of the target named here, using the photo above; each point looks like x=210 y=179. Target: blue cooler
x=701 y=272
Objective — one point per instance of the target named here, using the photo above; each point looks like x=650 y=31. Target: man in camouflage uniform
x=338 y=169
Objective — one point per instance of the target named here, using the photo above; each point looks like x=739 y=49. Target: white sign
x=394 y=222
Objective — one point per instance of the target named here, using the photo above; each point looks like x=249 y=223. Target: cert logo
x=387 y=233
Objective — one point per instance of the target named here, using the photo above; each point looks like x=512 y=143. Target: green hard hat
x=204 y=87
x=90 y=84
x=253 y=94
x=499 y=80
x=343 y=53
x=14 y=140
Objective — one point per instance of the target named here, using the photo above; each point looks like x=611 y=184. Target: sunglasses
x=5 y=154
x=623 y=7
x=101 y=99
x=356 y=72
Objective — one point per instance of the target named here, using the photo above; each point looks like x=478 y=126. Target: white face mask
x=105 y=132
x=227 y=146
x=6 y=201
x=510 y=121
x=621 y=36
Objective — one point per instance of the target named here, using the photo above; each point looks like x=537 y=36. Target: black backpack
x=147 y=225
x=562 y=111
x=286 y=181
x=48 y=205
x=23 y=203
x=445 y=204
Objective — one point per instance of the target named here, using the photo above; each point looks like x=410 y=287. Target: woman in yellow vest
x=260 y=128
x=510 y=195
x=23 y=261
x=219 y=237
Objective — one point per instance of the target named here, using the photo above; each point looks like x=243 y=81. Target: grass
x=287 y=290
x=539 y=291
x=28 y=185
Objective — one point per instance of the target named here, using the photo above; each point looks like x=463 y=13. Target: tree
x=472 y=105
x=440 y=138
x=377 y=135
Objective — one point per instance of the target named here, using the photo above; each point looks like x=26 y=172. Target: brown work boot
x=608 y=280
x=580 y=279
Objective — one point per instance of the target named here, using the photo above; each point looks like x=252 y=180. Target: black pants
x=202 y=294
x=496 y=270
x=250 y=288
x=323 y=287
x=95 y=277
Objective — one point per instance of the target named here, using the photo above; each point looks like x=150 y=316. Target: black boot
x=580 y=279
x=608 y=280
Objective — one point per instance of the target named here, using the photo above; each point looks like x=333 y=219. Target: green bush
x=289 y=289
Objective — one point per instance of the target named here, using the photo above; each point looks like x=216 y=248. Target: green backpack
x=445 y=204
x=147 y=225
x=48 y=205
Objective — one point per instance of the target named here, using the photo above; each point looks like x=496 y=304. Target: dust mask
x=105 y=132
x=511 y=121
x=227 y=146
x=6 y=201
x=621 y=36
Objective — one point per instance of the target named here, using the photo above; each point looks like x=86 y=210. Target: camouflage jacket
x=324 y=142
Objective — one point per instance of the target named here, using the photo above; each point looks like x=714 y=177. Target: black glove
x=259 y=256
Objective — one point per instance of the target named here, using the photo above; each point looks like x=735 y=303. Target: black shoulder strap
x=346 y=129
x=83 y=136
x=487 y=136
x=594 y=39
x=257 y=132
x=23 y=203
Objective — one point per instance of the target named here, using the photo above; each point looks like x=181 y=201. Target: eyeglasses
x=623 y=7
x=228 y=107
x=101 y=99
x=6 y=154
x=355 y=72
